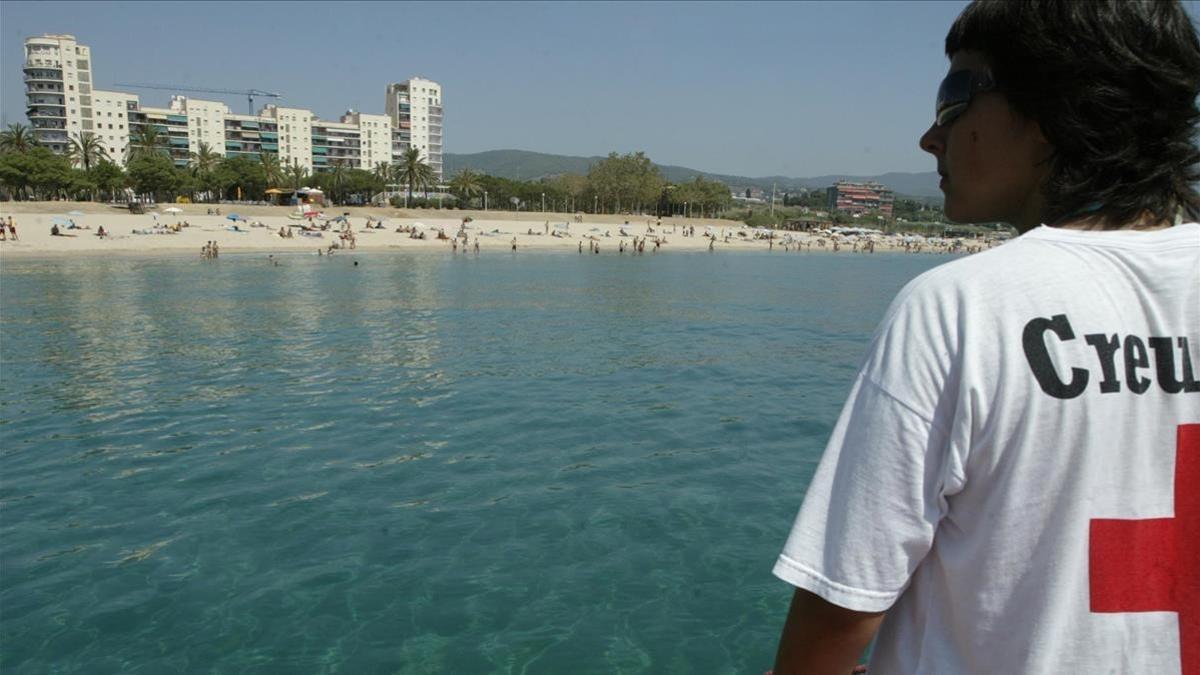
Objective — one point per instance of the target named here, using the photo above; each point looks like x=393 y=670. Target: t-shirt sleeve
x=870 y=513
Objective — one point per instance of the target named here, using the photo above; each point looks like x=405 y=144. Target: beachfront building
x=58 y=89
x=374 y=137
x=205 y=122
x=858 y=198
x=61 y=104
x=111 y=111
x=171 y=125
x=415 y=107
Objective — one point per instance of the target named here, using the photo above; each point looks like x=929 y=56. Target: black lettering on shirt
x=1106 y=349
x=1039 y=360
x=1135 y=357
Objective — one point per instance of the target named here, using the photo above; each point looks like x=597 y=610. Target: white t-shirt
x=1003 y=478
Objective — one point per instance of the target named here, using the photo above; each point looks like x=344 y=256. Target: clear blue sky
x=750 y=89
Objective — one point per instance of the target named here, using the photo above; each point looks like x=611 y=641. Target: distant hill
x=525 y=165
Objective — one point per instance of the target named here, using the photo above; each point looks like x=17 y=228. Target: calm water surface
x=424 y=464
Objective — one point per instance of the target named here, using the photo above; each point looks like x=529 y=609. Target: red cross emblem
x=1153 y=564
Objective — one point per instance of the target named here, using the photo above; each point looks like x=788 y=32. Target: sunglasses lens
x=949 y=113
x=953 y=96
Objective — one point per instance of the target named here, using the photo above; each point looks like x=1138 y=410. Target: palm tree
x=296 y=173
x=86 y=150
x=414 y=171
x=148 y=141
x=337 y=174
x=385 y=175
x=466 y=184
x=203 y=162
x=18 y=138
x=271 y=168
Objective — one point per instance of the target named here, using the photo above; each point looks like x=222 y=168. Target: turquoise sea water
x=507 y=464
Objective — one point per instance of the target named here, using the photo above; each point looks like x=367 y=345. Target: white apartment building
x=415 y=106
x=58 y=89
x=295 y=135
x=205 y=122
x=110 y=110
x=375 y=138
x=62 y=104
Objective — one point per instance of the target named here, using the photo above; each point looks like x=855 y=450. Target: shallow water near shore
x=423 y=464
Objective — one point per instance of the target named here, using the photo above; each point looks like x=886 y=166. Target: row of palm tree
x=84 y=149
x=410 y=170
x=87 y=150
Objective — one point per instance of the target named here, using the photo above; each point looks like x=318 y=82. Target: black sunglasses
x=956 y=91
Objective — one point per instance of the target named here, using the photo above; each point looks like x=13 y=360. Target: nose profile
x=933 y=140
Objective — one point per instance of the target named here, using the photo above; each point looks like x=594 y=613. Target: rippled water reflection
x=517 y=464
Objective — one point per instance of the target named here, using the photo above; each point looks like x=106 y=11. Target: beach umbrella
x=60 y=221
x=172 y=210
x=234 y=217
x=74 y=213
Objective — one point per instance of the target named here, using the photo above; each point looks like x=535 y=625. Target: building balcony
x=405 y=125
x=42 y=114
x=47 y=123
x=44 y=76
x=50 y=135
x=435 y=110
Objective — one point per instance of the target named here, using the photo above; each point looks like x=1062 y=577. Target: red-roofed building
x=858 y=198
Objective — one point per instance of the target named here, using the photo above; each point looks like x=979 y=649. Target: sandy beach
x=495 y=231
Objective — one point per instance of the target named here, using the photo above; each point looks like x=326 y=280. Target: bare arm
x=820 y=637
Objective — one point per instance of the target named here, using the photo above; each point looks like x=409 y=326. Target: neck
x=1144 y=221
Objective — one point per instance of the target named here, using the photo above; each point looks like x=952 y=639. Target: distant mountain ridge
x=526 y=165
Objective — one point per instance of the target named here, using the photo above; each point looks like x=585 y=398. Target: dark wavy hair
x=1113 y=85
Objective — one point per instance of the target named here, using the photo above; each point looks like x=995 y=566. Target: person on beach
x=12 y=229
x=1013 y=485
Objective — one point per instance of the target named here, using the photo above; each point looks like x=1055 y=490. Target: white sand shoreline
x=494 y=231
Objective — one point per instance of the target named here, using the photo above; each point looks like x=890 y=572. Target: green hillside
x=525 y=165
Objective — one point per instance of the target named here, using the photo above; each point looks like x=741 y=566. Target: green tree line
x=628 y=183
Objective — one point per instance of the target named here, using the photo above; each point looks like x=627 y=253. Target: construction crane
x=248 y=93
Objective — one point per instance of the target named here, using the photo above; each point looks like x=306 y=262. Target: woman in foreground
x=1014 y=483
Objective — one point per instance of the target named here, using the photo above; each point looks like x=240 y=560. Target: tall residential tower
x=58 y=89
x=415 y=107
